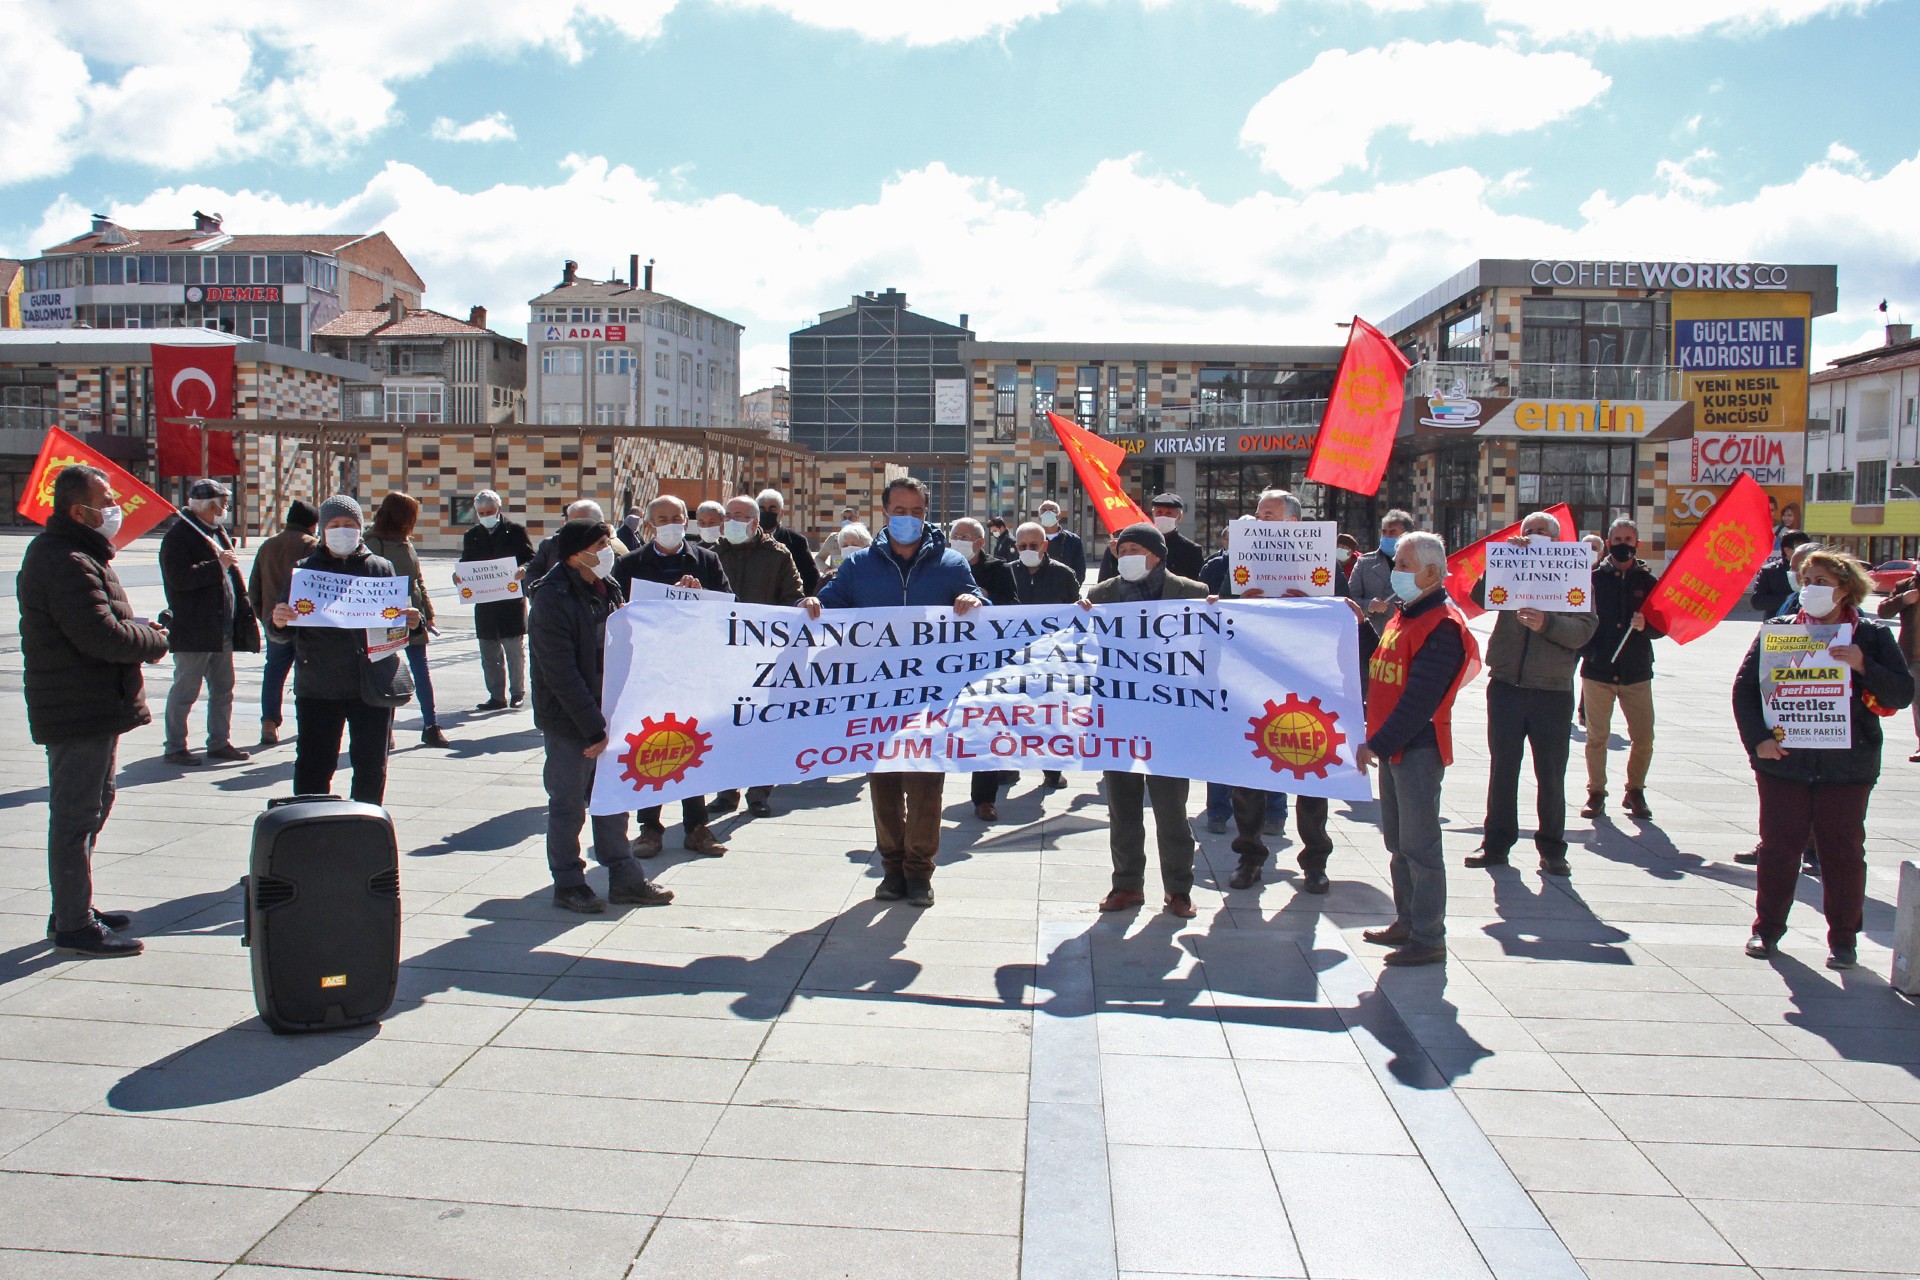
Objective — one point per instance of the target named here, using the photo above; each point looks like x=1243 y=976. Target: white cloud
x=1317 y=124
x=1618 y=20
x=491 y=128
x=913 y=22
x=1682 y=175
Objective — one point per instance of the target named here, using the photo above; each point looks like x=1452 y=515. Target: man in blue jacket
x=912 y=564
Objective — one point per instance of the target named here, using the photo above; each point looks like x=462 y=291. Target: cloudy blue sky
x=1229 y=170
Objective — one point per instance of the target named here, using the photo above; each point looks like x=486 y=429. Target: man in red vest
x=1425 y=655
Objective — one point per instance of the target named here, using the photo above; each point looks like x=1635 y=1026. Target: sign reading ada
x=1805 y=692
x=322 y=599
x=1554 y=577
x=1279 y=557
x=586 y=333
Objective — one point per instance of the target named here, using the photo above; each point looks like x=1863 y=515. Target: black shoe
x=892 y=887
x=1246 y=875
x=1055 y=779
x=96 y=943
x=1217 y=826
x=919 y=893
x=185 y=759
x=1596 y=804
x=1759 y=948
x=1555 y=866
x=639 y=893
x=759 y=809
x=228 y=753
x=725 y=802
x=517 y=699
x=1315 y=881
x=1843 y=958
x=1749 y=858
x=1413 y=954
x=579 y=898
x=1636 y=802
x=113 y=921
x=1487 y=858
x=433 y=738
x=491 y=704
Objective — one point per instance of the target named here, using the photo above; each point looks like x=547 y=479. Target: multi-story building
x=13 y=280
x=1863 y=450
x=615 y=353
x=276 y=289
x=768 y=410
x=428 y=367
x=877 y=388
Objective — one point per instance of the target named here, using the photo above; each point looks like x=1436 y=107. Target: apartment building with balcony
x=1863 y=450
x=427 y=366
x=768 y=410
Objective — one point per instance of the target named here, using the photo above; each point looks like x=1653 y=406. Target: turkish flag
x=1711 y=572
x=1097 y=463
x=141 y=508
x=1362 y=415
x=193 y=382
x=1468 y=565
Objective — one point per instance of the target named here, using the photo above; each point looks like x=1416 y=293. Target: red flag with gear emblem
x=1468 y=565
x=1362 y=415
x=1097 y=463
x=1710 y=574
x=193 y=382
x=141 y=508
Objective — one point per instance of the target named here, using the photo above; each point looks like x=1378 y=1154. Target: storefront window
x=1595 y=480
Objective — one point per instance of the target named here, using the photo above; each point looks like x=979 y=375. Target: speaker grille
x=270 y=892
x=385 y=884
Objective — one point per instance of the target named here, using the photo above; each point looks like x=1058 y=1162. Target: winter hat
x=576 y=536
x=301 y=516
x=338 y=506
x=1144 y=536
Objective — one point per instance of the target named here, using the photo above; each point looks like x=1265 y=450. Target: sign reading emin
x=1733 y=276
x=1634 y=419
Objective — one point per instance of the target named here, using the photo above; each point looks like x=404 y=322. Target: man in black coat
x=672 y=561
x=1184 y=556
x=500 y=625
x=1063 y=545
x=210 y=620
x=773 y=505
x=1775 y=582
x=568 y=632
x=1617 y=666
x=82 y=649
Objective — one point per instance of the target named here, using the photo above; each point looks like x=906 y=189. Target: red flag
x=193 y=382
x=1097 y=462
x=1711 y=572
x=1362 y=414
x=141 y=507
x=1468 y=565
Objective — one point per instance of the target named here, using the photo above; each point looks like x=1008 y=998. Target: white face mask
x=215 y=516
x=1133 y=568
x=1818 y=600
x=1166 y=524
x=1048 y=519
x=967 y=548
x=709 y=533
x=738 y=531
x=110 y=521
x=487 y=522
x=1538 y=539
x=1345 y=554
x=603 y=562
x=670 y=536
x=1031 y=558
x=342 y=540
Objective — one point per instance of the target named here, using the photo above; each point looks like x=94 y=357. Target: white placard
x=322 y=599
x=949 y=402
x=1276 y=557
x=1554 y=577
x=383 y=641
x=1805 y=692
x=485 y=581
x=645 y=590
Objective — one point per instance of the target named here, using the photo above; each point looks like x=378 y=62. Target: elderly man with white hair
x=1531 y=657
x=544 y=559
x=500 y=625
x=1424 y=656
x=762 y=571
x=773 y=505
x=210 y=619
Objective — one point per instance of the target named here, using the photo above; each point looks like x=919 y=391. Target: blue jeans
x=422 y=683
x=273 y=680
x=1220 y=803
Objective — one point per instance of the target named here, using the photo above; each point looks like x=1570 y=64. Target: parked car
x=1890 y=575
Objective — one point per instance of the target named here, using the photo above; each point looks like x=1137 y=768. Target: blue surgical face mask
x=1405 y=586
x=905 y=530
x=1388 y=542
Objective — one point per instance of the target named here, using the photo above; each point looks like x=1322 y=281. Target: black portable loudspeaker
x=323 y=913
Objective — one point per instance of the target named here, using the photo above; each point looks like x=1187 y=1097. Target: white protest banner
x=1804 y=691
x=1278 y=556
x=1555 y=577
x=643 y=590
x=321 y=599
x=1255 y=693
x=485 y=581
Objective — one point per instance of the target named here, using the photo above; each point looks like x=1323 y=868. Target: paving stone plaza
x=778 y=1076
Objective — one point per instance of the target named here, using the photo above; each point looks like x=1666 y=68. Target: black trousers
x=986 y=784
x=316 y=749
x=1309 y=816
x=693 y=814
x=1519 y=720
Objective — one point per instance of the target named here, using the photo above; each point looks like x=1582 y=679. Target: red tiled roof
x=1903 y=356
x=186 y=240
x=378 y=323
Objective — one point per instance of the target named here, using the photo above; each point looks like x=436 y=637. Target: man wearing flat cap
x=1142 y=575
x=1184 y=555
x=210 y=619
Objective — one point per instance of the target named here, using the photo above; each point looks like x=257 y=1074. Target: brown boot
x=1636 y=802
x=701 y=840
x=269 y=733
x=649 y=842
x=1596 y=804
x=1393 y=935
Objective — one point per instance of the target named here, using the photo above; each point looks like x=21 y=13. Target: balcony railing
x=1514 y=380
x=1250 y=415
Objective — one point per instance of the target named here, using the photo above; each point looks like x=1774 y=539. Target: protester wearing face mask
x=1818 y=797
x=336 y=686
x=500 y=625
x=1141 y=555
x=1063 y=545
x=1426 y=653
x=1000 y=581
x=709 y=520
x=1531 y=657
x=1617 y=666
x=267 y=582
x=545 y=557
x=1801 y=546
x=567 y=632
x=82 y=650
x=851 y=539
x=210 y=618
x=1038 y=580
x=1775 y=581
x=390 y=537
x=1371 y=580
x=1185 y=557
x=762 y=571
x=831 y=551
x=914 y=565
x=1346 y=551
x=1002 y=539
x=773 y=506
x=1596 y=547
x=628 y=535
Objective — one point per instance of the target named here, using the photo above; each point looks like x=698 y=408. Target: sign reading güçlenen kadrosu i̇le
x=1554 y=577
x=1770 y=342
x=1731 y=276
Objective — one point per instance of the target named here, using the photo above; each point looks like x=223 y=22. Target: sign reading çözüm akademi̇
x=1769 y=342
x=1252 y=693
x=1554 y=577
x=1732 y=276
x=1716 y=457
